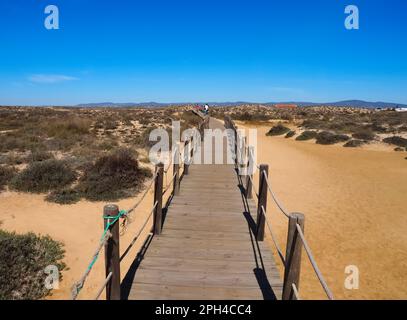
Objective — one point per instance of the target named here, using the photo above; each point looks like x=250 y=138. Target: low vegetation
x=6 y=174
x=290 y=134
x=307 y=135
x=57 y=149
x=397 y=141
x=278 y=130
x=326 y=137
x=64 y=196
x=112 y=177
x=354 y=143
x=43 y=176
x=23 y=259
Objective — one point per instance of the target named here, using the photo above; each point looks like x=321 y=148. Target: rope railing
x=138 y=233
x=314 y=263
x=295 y=291
x=292 y=259
x=104 y=285
x=168 y=186
x=279 y=205
x=253 y=187
x=112 y=233
x=77 y=287
x=279 y=251
x=127 y=217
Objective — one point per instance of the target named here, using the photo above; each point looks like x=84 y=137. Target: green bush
x=64 y=196
x=354 y=143
x=307 y=135
x=112 y=177
x=23 y=259
x=290 y=134
x=277 y=130
x=43 y=176
x=396 y=140
x=6 y=174
x=326 y=137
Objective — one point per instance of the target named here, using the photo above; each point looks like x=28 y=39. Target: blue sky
x=202 y=50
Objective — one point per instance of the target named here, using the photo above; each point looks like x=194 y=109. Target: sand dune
x=79 y=227
x=354 y=202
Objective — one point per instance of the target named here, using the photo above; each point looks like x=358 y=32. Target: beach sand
x=79 y=227
x=354 y=201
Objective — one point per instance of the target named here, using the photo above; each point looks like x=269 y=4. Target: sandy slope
x=355 y=206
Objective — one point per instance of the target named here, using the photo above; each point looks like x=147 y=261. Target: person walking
x=206 y=109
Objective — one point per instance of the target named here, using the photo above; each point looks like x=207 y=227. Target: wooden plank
x=148 y=291
x=204 y=279
x=227 y=244
x=206 y=253
x=204 y=265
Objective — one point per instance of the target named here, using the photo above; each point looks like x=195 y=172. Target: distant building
x=285 y=106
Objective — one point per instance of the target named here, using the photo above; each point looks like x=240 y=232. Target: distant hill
x=351 y=103
x=345 y=103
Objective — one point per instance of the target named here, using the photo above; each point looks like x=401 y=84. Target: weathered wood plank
x=205 y=279
x=165 y=292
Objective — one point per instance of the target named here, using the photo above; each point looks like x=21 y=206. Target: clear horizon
x=257 y=51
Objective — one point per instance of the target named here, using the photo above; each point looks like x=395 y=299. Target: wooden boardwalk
x=207 y=248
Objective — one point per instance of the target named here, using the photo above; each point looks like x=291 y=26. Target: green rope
x=108 y=225
x=78 y=286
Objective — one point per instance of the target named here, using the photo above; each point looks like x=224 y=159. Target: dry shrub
x=6 y=174
x=43 y=176
x=113 y=177
x=326 y=137
x=277 y=130
x=354 y=143
x=23 y=259
x=397 y=141
x=307 y=135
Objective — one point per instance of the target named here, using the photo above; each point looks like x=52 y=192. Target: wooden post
x=293 y=255
x=158 y=197
x=235 y=131
x=176 y=170
x=112 y=253
x=250 y=169
x=186 y=156
x=264 y=168
x=192 y=143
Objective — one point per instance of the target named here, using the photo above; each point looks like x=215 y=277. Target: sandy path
x=354 y=202
x=79 y=227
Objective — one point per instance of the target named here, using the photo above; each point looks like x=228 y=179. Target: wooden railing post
x=236 y=146
x=192 y=143
x=176 y=170
x=112 y=253
x=264 y=169
x=293 y=256
x=250 y=170
x=186 y=156
x=158 y=198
